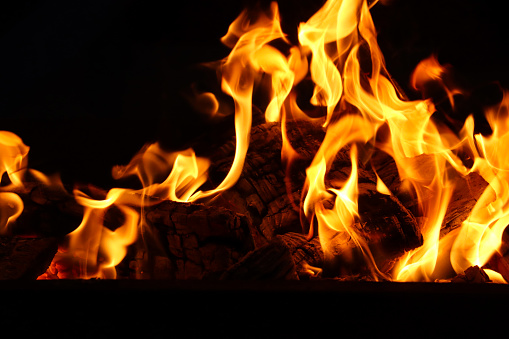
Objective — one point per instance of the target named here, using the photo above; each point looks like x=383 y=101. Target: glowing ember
x=365 y=111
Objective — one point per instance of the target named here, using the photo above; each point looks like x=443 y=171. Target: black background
x=87 y=83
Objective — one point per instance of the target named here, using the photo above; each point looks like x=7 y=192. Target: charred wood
x=307 y=254
x=25 y=258
x=195 y=240
x=466 y=193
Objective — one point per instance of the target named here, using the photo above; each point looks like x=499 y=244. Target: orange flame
x=13 y=159
x=430 y=70
x=96 y=248
x=480 y=236
x=13 y=162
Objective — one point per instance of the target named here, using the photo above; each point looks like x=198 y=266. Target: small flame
x=185 y=173
x=429 y=71
x=11 y=207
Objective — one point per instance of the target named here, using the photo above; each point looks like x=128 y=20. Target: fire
x=95 y=248
x=364 y=110
x=481 y=234
x=13 y=160
x=12 y=163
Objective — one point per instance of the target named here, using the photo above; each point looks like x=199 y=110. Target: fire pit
x=297 y=157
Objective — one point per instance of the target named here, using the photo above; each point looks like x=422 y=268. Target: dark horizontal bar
x=191 y=286
x=260 y=309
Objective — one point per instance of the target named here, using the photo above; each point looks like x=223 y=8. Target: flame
x=335 y=22
x=337 y=226
x=481 y=234
x=11 y=207
x=13 y=159
x=185 y=173
x=95 y=248
x=13 y=162
x=413 y=140
x=429 y=71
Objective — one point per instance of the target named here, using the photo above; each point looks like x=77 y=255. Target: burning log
x=466 y=192
x=261 y=192
x=390 y=228
x=269 y=195
x=198 y=241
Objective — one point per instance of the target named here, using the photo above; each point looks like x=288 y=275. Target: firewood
x=307 y=254
x=31 y=241
x=390 y=228
x=195 y=240
x=465 y=196
x=25 y=258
